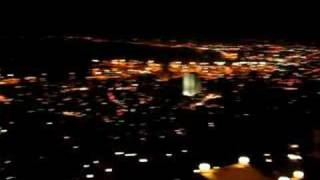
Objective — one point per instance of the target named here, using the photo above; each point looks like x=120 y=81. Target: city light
x=49 y=123
x=184 y=151
x=196 y=171
x=66 y=137
x=169 y=155
x=268 y=160
x=108 y=170
x=86 y=166
x=143 y=160
x=2 y=98
x=95 y=60
x=90 y=176
x=130 y=154
x=96 y=162
x=294 y=157
x=130 y=113
x=204 y=167
x=298 y=174
x=244 y=160
x=283 y=178
x=191 y=85
x=10 y=178
x=266 y=154
x=75 y=147
x=294 y=146
x=7 y=162
x=2 y=131
x=119 y=153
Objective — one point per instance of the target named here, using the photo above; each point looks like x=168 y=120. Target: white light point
x=3 y=131
x=196 y=171
x=96 y=162
x=108 y=170
x=244 y=160
x=169 y=155
x=118 y=153
x=184 y=151
x=10 y=178
x=294 y=157
x=204 y=167
x=90 y=176
x=130 y=154
x=268 y=160
x=143 y=160
x=294 y=146
x=298 y=174
x=283 y=178
x=7 y=162
x=66 y=137
x=49 y=123
x=95 y=60
x=86 y=166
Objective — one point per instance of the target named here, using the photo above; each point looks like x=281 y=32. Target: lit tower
x=191 y=84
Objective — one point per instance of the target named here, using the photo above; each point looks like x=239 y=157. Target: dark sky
x=230 y=19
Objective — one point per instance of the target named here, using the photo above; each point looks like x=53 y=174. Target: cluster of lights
x=206 y=167
x=244 y=161
x=152 y=67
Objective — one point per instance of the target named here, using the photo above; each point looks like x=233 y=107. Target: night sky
x=205 y=21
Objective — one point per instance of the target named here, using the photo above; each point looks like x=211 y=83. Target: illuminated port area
x=250 y=112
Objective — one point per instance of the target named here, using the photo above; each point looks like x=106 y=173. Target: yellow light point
x=298 y=174
x=229 y=56
x=114 y=62
x=2 y=98
x=228 y=70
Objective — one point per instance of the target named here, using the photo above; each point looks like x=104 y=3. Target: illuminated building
x=190 y=84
